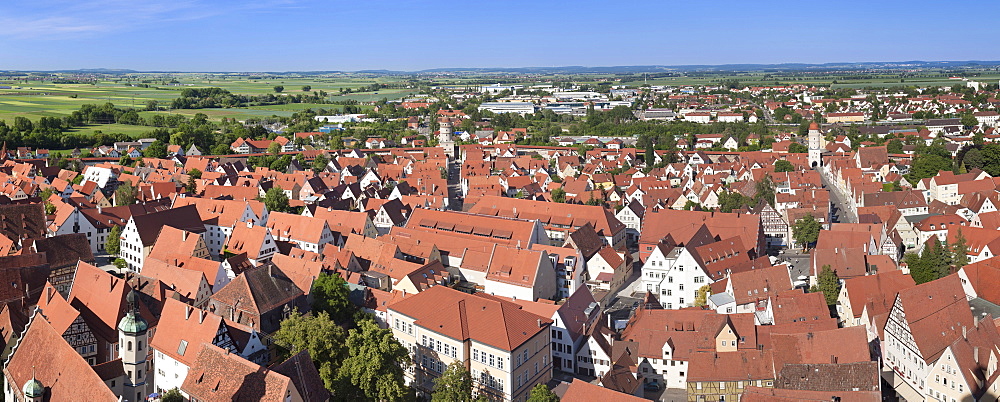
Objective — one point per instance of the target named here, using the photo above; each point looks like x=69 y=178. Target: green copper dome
x=132 y=324
x=33 y=389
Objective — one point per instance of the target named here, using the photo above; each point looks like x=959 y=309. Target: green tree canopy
x=541 y=393
x=157 y=149
x=330 y=295
x=894 y=147
x=173 y=394
x=278 y=88
x=829 y=284
x=319 y=164
x=125 y=194
x=454 y=385
x=324 y=339
x=782 y=166
x=559 y=195
x=274 y=148
x=374 y=367
x=796 y=148
x=806 y=230
x=276 y=201
x=112 y=244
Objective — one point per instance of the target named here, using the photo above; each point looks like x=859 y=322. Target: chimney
x=201 y=316
x=99 y=209
x=539 y=323
x=184 y=235
x=965 y=333
x=187 y=312
x=249 y=224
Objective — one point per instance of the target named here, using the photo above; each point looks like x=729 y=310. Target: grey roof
x=917 y=218
x=720 y=299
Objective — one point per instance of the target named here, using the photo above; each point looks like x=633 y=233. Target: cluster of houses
x=508 y=258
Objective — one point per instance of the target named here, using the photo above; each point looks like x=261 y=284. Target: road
x=840 y=208
x=454 y=189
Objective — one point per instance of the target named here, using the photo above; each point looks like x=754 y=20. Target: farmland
x=36 y=99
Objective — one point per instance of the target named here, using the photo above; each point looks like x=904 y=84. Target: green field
x=38 y=99
x=134 y=131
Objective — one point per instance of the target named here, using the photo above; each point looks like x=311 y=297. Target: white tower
x=132 y=348
x=445 y=137
x=815 y=151
x=445 y=131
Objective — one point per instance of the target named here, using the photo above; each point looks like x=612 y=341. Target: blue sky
x=299 y=35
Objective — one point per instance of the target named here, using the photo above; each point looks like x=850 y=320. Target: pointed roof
x=71 y=379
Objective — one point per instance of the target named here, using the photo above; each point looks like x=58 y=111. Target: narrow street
x=840 y=209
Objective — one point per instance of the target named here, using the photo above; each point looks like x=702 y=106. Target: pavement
x=841 y=210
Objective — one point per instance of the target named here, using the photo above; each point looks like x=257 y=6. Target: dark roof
x=110 y=370
x=183 y=218
x=65 y=250
x=256 y=291
x=22 y=221
x=586 y=240
x=860 y=376
x=302 y=371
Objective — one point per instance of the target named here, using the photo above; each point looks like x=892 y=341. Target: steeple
x=132 y=348
x=3 y=151
x=33 y=390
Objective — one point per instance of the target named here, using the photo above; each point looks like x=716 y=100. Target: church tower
x=133 y=344
x=815 y=150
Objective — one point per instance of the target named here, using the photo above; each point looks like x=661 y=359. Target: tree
x=559 y=195
x=828 y=283
x=806 y=231
x=322 y=337
x=374 y=367
x=157 y=149
x=969 y=121
x=454 y=385
x=330 y=295
x=932 y=263
x=783 y=166
x=278 y=88
x=796 y=148
x=541 y=393
x=113 y=242
x=894 y=147
x=730 y=200
x=274 y=148
x=701 y=296
x=152 y=105
x=220 y=149
x=194 y=173
x=172 y=395
x=764 y=190
x=125 y=194
x=960 y=251
x=319 y=164
x=306 y=88
x=973 y=159
x=276 y=201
